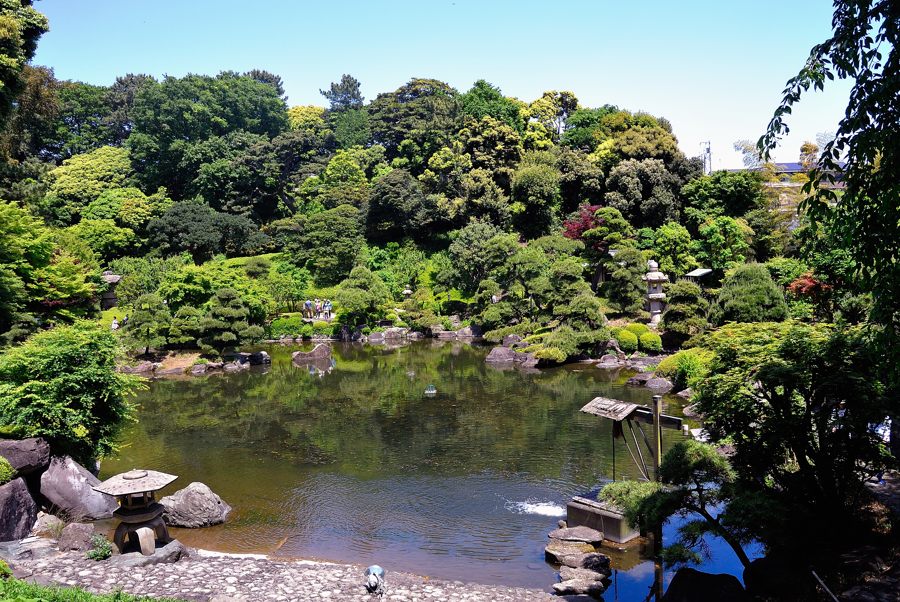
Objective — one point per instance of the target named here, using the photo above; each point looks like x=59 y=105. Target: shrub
x=551 y=354
x=685 y=314
x=101 y=549
x=650 y=341
x=285 y=326
x=686 y=367
x=627 y=496
x=306 y=331
x=627 y=340
x=7 y=472
x=637 y=328
x=62 y=384
x=321 y=327
x=750 y=295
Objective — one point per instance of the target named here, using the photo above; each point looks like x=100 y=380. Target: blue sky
x=715 y=69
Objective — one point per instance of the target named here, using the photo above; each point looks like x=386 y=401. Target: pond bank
x=209 y=576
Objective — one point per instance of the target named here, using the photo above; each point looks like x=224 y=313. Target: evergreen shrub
x=650 y=341
x=638 y=328
x=627 y=340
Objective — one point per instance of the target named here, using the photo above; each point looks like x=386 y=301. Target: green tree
x=584 y=129
x=535 y=196
x=750 y=295
x=83 y=178
x=395 y=210
x=686 y=312
x=644 y=191
x=22 y=26
x=864 y=47
x=62 y=384
x=473 y=254
x=485 y=100
x=227 y=323
x=625 y=287
x=148 y=324
x=672 y=246
x=722 y=243
x=344 y=95
x=361 y=297
x=552 y=110
x=184 y=327
x=731 y=193
x=327 y=243
x=105 y=238
x=351 y=127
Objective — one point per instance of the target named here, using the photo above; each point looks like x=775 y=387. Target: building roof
x=698 y=272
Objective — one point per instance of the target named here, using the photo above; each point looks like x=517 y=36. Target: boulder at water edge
x=17 y=510
x=67 y=485
x=194 y=506
x=319 y=352
x=511 y=339
x=27 y=455
x=578 y=533
x=500 y=355
x=691 y=585
x=169 y=553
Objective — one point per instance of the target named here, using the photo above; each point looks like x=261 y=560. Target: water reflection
x=349 y=460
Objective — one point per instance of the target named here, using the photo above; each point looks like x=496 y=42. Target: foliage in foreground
x=62 y=384
x=12 y=590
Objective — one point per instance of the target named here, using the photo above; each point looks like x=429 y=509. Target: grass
x=107 y=315
x=12 y=590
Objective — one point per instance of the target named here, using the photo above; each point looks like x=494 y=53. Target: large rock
x=47 y=525
x=319 y=352
x=567 y=572
x=469 y=332
x=659 y=383
x=77 y=537
x=169 y=553
x=259 y=358
x=395 y=333
x=376 y=338
x=17 y=510
x=639 y=380
x=501 y=355
x=578 y=534
x=27 y=455
x=199 y=369
x=139 y=368
x=67 y=486
x=510 y=339
x=445 y=335
x=691 y=585
x=194 y=506
x=558 y=551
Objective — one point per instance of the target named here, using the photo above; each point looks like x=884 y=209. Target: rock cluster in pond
x=583 y=570
x=194 y=506
x=507 y=355
x=319 y=352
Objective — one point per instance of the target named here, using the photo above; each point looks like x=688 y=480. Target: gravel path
x=250 y=579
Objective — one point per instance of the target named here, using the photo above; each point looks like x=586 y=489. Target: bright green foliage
x=722 y=243
x=36 y=276
x=148 y=324
x=20 y=27
x=673 y=249
x=105 y=238
x=643 y=143
x=142 y=275
x=686 y=311
x=361 y=297
x=493 y=146
x=785 y=270
x=327 y=243
x=101 y=549
x=83 y=178
x=129 y=207
x=627 y=340
x=535 y=196
x=637 y=328
x=644 y=191
x=627 y=496
x=7 y=472
x=650 y=341
x=287 y=326
x=686 y=368
x=398 y=266
x=475 y=250
x=796 y=401
x=343 y=182
x=584 y=128
x=552 y=110
x=306 y=117
x=62 y=384
x=625 y=287
x=12 y=590
x=750 y=295
x=257 y=267
x=227 y=323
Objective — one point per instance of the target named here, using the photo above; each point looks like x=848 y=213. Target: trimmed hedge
x=638 y=329
x=289 y=326
x=686 y=367
x=650 y=341
x=627 y=340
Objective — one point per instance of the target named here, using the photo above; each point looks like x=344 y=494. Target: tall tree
x=344 y=95
x=21 y=27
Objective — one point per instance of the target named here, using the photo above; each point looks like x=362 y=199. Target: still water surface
x=350 y=461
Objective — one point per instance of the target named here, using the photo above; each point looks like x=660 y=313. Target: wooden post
x=658 y=573
x=657 y=434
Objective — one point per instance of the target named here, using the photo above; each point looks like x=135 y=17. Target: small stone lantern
x=139 y=513
x=407 y=292
x=656 y=298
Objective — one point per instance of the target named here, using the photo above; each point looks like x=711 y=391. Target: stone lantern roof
x=134 y=481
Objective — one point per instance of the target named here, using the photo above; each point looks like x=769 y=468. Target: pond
x=351 y=461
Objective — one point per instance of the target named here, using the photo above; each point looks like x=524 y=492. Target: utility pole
x=706 y=156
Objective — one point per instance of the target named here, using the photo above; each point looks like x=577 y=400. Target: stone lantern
x=139 y=513
x=656 y=298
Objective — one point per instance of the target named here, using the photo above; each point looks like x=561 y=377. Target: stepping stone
x=579 y=533
x=577 y=587
x=558 y=550
x=566 y=573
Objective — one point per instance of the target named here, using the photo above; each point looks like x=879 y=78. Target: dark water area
x=350 y=461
